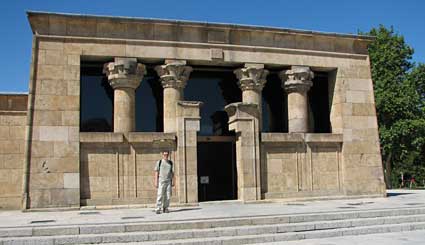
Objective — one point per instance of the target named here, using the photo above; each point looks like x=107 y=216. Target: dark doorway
x=217 y=178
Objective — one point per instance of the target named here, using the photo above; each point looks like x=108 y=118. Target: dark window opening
x=274 y=106
x=149 y=103
x=96 y=99
x=216 y=88
x=318 y=100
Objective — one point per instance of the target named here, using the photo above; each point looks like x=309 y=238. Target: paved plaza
x=397 y=199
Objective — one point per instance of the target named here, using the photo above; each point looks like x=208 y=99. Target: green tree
x=399 y=93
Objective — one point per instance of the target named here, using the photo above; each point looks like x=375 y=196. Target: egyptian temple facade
x=248 y=113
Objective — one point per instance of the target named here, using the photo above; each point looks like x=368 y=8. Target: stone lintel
x=105 y=137
x=310 y=138
x=150 y=137
x=254 y=65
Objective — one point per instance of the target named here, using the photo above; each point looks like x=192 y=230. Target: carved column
x=252 y=79
x=174 y=75
x=296 y=82
x=124 y=75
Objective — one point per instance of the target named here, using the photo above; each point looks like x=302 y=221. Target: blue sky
x=407 y=17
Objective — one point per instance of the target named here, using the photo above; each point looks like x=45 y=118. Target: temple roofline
x=31 y=13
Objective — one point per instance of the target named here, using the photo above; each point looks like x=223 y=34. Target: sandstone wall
x=301 y=165
x=114 y=172
x=13 y=110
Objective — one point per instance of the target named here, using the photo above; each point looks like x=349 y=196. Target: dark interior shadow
x=394 y=194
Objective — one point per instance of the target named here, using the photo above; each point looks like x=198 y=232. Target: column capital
x=124 y=73
x=297 y=79
x=251 y=77
x=174 y=74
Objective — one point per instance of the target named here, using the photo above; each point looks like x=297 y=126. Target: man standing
x=164 y=180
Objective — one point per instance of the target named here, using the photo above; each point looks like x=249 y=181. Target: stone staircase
x=239 y=230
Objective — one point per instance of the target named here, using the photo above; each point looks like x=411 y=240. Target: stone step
x=291 y=236
x=269 y=232
x=48 y=230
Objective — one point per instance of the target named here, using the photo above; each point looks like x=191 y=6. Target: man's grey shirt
x=167 y=169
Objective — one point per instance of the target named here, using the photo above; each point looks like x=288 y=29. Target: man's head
x=165 y=154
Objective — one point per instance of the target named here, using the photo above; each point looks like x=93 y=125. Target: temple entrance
x=217 y=178
x=216 y=155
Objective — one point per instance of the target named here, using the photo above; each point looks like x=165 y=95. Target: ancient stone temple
x=248 y=113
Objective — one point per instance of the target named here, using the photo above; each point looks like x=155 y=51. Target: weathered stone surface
x=122 y=163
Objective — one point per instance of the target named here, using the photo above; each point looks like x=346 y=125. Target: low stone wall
x=13 y=116
x=117 y=169
x=301 y=165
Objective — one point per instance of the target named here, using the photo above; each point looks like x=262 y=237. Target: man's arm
x=173 y=181
x=156 y=179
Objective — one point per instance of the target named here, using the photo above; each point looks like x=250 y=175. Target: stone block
x=47 y=118
x=324 y=43
x=11 y=161
x=56 y=231
x=54 y=57
x=78 y=240
x=354 y=96
x=55 y=165
x=262 y=39
x=11 y=147
x=50 y=72
x=360 y=84
x=102 y=229
x=72 y=72
x=140 y=31
x=72 y=47
x=218 y=36
x=343 y=45
x=66 y=149
x=74 y=134
x=73 y=60
x=4 y=132
x=53 y=133
x=57 y=102
x=41 y=149
x=360 y=147
x=363 y=109
x=57 y=25
x=304 y=42
x=71 y=180
x=112 y=29
x=105 y=49
x=52 y=87
x=51 y=45
x=46 y=180
x=70 y=118
x=73 y=87
x=282 y=40
x=81 y=27
x=12 y=120
x=240 y=37
x=65 y=197
x=217 y=54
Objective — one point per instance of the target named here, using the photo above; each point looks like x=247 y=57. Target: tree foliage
x=399 y=86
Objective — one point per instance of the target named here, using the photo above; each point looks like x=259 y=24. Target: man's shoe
x=166 y=210
x=158 y=211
